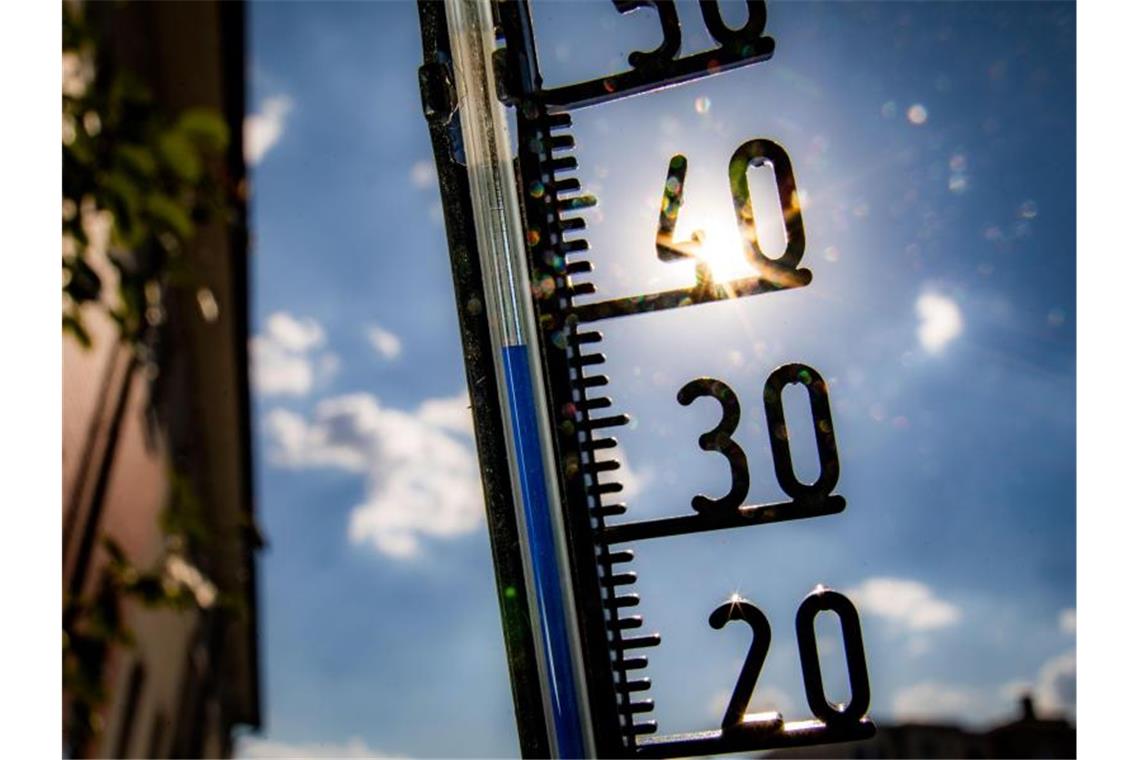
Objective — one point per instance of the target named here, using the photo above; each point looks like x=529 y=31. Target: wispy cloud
x=909 y=603
x=263 y=129
x=422 y=175
x=1056 y=690
x=939 y=321
x=282 y=358
x=932 y=701
x=1067 y=621
x=1054 y=693
x=263 y=749
x=386 y=342
x=633 y=480
x=422 y=478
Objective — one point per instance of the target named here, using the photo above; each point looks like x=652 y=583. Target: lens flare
x=722 y=250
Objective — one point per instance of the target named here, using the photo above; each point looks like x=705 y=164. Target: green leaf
x=128 y=89
x=168 y=213
x=179 y=154
x=205 y=128
x=121 y=195
x=137 y=159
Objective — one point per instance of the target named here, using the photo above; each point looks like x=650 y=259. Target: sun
x=721 y=248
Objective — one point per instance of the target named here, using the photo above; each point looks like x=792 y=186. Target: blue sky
x=933 y=146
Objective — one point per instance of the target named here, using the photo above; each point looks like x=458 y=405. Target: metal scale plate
x=665 y=365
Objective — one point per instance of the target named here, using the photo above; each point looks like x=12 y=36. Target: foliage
x=138 y=183
x=93 y=625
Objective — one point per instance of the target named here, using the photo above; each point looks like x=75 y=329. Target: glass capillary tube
x=506 y=285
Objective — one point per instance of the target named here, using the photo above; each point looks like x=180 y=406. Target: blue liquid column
x=543 y=554
x=510 y=315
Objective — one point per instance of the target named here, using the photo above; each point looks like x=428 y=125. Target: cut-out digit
x=782 y=271
x=672 y=198
x=750 y=33
x=670 y=31
x=820 y=600
x=742 y=609
x=719 y=439
x=758 y=153
x=821 y=423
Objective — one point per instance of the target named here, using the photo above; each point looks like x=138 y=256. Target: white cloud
x=327 y=366
x=1054 y=693
x=263 y=129
x=281 y=357
x=263 y=749
x=939 y=321
x=452 y=414
x=1013 y=691
x=1067 y=621
x=300 y=445
x=633 y=481
x=386 y=343
x=909 y=603
x=919 y=645
x=1056 y=690
x=933 y=702
x=422 y=477
x=422 y=175
x=276 y=371
x=294 y=334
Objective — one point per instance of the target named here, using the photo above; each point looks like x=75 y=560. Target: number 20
x=820 y=600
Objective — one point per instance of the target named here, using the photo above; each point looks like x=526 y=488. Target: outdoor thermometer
x=534 y=322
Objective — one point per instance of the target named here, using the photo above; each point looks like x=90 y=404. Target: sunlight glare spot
x=722 y=250
x=939 y=321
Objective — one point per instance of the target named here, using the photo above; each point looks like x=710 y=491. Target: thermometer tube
x=506 y=285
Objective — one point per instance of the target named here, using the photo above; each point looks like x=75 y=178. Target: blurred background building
x=159 y=538
x=1029 y=735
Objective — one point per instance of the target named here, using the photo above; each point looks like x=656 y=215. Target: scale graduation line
x=758 y=514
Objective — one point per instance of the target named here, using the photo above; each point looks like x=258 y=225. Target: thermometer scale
x=546 y=431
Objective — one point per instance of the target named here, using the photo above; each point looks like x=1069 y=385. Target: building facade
x=157 y=466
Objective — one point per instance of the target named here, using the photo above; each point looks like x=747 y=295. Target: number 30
x=720 y=440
